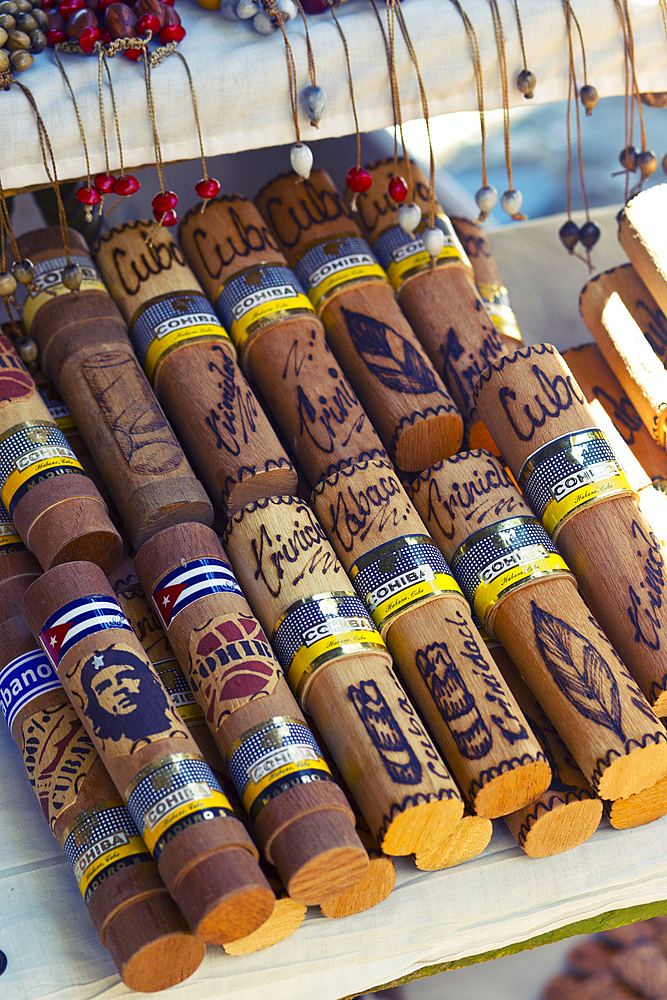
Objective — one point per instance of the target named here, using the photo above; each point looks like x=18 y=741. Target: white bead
x=262 y=22
x=487 y=199
x=434 y=241
x=246 y=9
x=409 y=217
x=287 y=7
x=511 y=201
x=301 y=158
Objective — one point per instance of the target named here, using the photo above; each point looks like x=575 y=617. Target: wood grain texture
x=469 y=839
x=639 y=809
x=642 y=238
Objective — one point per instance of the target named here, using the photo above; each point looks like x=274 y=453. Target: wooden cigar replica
x=287 y=917
x=569 y=812
x=639 y=809
x=300 y=818
x=641 y=235
x=340 y=671
x=85 y=351
x=54 y=506
x=575 y=485
x=181 y=344
x=18 y=567
x=280 y=340
x=387 y=366
x=203 y=853
x=489 y=283
x=134 y=915
x=441 y=301
x=618 y=309
x=525 y=596
x=419 y=609
x=470 y=838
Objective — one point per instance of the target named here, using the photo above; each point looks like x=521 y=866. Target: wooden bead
x=383 y=360
x=79 y=21
x=469 y=839
x=154 y=7
x=120 y=21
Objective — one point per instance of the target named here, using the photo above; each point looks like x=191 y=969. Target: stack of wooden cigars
x=263 y=624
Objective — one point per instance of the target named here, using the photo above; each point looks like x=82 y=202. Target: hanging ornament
x=630 y=158
x=525 y=81
x=314 y=100
x=358 y=180
x=409 y=217
x=301 y=159
x=398 y=189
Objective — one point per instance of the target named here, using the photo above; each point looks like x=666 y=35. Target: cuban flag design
x=189 y=582
x=78 y=619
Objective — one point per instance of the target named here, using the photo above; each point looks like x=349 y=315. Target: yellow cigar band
x=99 y=837
x=16 y=479
x=9 y=535
x=34 y=303
x=159 y=349
x=134 y=845
x=322 y=292
x=441 y=583
x=399 y=272
x=268 y=312
x=557 y=511
x=258 y=295
x=487 y=595
x=309 y=658
x=204 y=798
x=496 y=300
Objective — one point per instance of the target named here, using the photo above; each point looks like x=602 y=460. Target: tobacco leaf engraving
x=581 y=673
x=454 y=701
x=386 y=735
x=388 y=355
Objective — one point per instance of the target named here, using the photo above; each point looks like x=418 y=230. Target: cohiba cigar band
x=24 y=679
x=31 y=453
x=10 y=540
x=498 y=558
x=48 y=283
x=403 y=254
x=57 y=407
x=169 y=321
x=569 y=473
x=273 y=756
x=497 y=301
x=315 y=630
x=178 y=689
x=188 y=583
x=330 y=263
x=78 y=619
x=172 y=794
x=261 y=294
x=101 y=841
x=399 y=574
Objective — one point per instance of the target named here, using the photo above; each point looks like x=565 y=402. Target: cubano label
x=24 y=679
x=10 y=540
x=178 y=689
x=403 y=254
x=334 y=261
x=172 y=794
x=168 y=322
x=101 y=841
x=497 y=301
x=78 y=619
x=57 y=407
x=569 y=473
x=495 y=560
x=399 y=574
x=272 y=757
x=48 y=282
x=31 y=453
x=317 y=629
x=188 y=583
x=259 y=295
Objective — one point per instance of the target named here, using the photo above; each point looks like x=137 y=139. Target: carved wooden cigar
x=642 y=237
x=287 y=917
x=300 y=817
x=639 y=809
x=489 y=283
x=204 y=855
x=54 y=506
x=180 y=343
x=132 y=911
x=470 y=838
x=617 y=308
x=569 y=812
x=18 y=567
x=389 y=369
x=301 y=595
x=85 y=351
x=442 y=303
x=280 y=341
x=525 y=596
x=418 y=607
x=570 y=476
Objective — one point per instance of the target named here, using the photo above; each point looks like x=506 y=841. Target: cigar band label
x=261 y=294
x=569 y=473
x=172 y=794
x=403 y=254
x=317 y=629
x=10 y=540
x=77 y=620
x=24 y=679
x=495 y=560
x=48 y=283
x=271 y=757
x=178 y=689
x=31 y=453
x=333 y=262
x=186 y=584
x=101 y=841
x=57 y=407
x=167 y=322
x=399 y=574
x=497 y=301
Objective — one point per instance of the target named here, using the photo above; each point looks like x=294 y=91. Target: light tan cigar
x=638 y=809
x=469 y=839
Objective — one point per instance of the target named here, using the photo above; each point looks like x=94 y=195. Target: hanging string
x=391 y=32
x=646 y=160
x=309 y=48
x=526 y=81
x=350 y=83
x=391 y=83
x=511 y=199
x=76 y=111
x=151 y=112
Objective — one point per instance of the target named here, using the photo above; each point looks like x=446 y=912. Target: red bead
x=172 y=33
x=164 y=201
x=127 y=184
x=88 y=37
x=48 y=4
x=102 y=5
x=132 y=54
x=69 y=7
x=398 y=189
x=146 y=23
x=105 y=37
x=168 y=3
x=165 y=218
x=88 y=196
x=54 y=37
x=208 y=188
x=104 y=182
x=358 y=180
